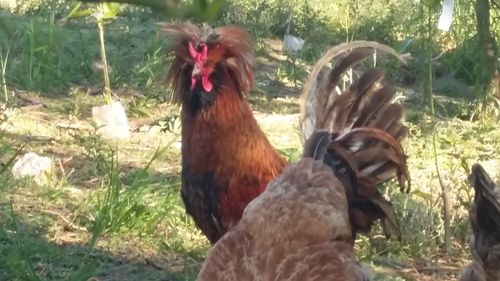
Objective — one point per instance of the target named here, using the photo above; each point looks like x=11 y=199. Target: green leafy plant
x=204 y=10
x=101 y=13
x=3 y=71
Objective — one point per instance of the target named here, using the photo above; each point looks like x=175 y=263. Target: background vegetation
x=113 y=212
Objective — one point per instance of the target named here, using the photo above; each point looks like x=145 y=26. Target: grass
x=112 y=211
x=73 y=232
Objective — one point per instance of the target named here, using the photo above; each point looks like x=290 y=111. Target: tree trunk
x=489 y=78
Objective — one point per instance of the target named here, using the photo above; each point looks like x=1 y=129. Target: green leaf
x=77 y=13
x=201 y=9
x=110 y=10
x=76 y=7
x=424 y=195
x=80 y=14
x=432 y=3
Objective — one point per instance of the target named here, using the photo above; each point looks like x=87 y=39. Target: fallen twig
x=67 y=221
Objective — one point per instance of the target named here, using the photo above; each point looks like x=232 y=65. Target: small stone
x=31 y=165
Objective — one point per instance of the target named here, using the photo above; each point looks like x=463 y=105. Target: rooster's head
x=208 y=61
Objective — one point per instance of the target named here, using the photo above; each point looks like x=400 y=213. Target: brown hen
x=298 y=229
x=227 y=160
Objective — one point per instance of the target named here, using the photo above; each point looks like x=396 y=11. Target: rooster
x=227 y=160
x=298 y=228
x=485 y=221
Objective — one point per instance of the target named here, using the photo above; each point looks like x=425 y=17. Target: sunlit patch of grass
x=267 y=103
x=106 y=206
x=460 y=144
x=135 y=210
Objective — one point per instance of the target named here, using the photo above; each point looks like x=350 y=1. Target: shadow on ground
x=26 y=251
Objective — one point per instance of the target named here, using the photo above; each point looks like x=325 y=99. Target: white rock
x=31 y=165
x=111 y=121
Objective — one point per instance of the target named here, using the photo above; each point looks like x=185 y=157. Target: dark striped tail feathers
x=366 y=130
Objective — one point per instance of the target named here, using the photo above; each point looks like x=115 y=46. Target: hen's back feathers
x=367 y=128
x=298 y=229
x=485 y=221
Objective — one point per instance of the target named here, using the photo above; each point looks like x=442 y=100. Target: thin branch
x=419 y=269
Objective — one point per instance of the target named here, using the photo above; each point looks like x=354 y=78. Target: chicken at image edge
x=484 y=218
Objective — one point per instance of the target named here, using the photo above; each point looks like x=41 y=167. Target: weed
x=96 y=150
x=3 y=69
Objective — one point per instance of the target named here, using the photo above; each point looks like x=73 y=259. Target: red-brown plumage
x=225 y=140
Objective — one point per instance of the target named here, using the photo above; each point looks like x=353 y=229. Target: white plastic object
x=446 y=15
x=111 y=121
